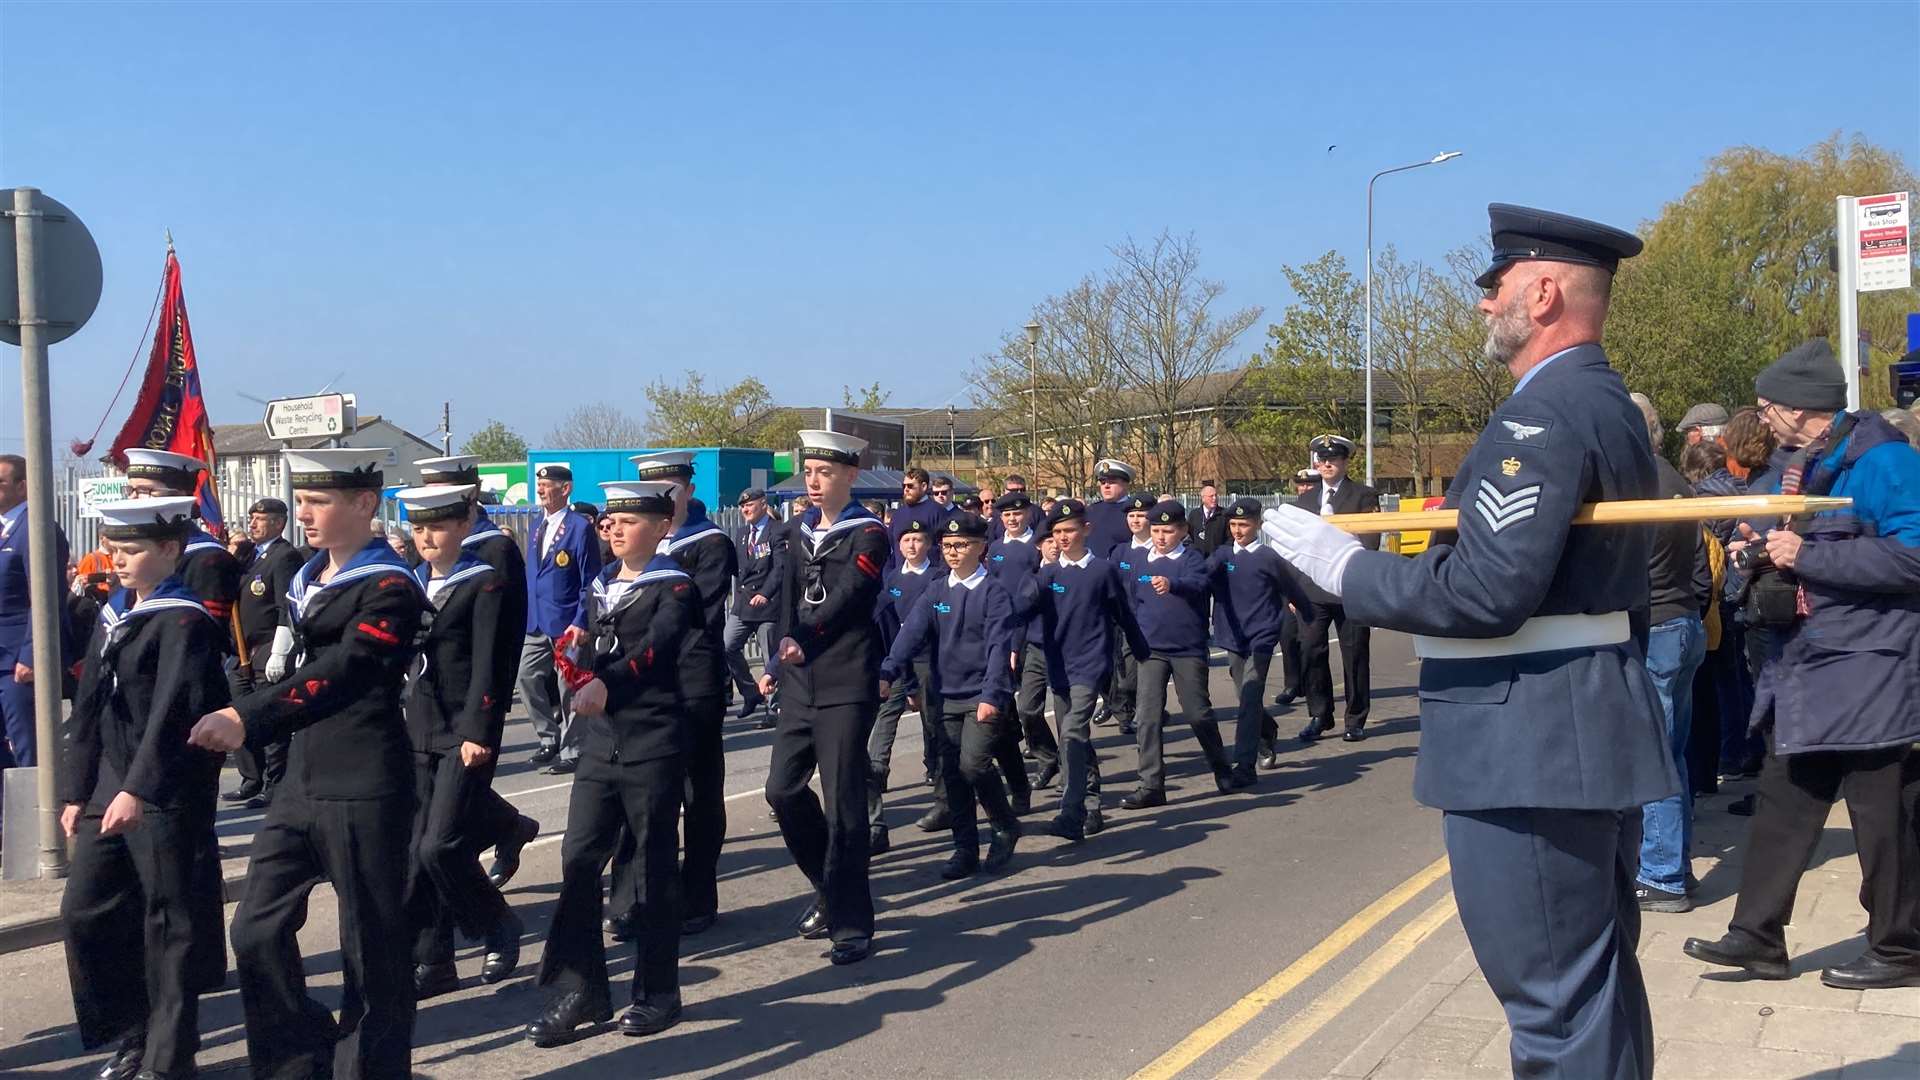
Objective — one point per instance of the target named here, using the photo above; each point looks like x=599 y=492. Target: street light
x=1434 y=160
x=1033 y=398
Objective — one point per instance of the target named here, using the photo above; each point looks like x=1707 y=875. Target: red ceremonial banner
x=170 y=413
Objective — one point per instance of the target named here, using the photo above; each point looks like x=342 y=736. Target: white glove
x=278 y=663
x=1315 y=548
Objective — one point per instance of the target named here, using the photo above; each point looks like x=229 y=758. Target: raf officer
x=1539 y=723
x=1336 y=493
x=562 y=558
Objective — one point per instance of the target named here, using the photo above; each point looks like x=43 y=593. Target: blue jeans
x=1675 y=649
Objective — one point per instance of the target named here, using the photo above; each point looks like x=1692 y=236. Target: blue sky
x=523 y=208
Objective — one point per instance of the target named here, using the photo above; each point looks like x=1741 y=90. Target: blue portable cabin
x=720 y=473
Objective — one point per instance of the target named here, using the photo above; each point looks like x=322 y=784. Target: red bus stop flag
x=170 y=413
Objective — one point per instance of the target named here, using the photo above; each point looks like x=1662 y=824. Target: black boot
x=566 y=1014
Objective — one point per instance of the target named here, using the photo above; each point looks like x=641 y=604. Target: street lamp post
x=1033 y=399
x=1434 y=160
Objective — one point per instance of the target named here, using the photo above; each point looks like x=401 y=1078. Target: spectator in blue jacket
x=1169 y=588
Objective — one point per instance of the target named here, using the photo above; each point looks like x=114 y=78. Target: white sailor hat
x=146 y=519
x=437 y=502
x=174 y=470
x=1113 y=469
x=672 y=465
x=831 y=446
x=458 y=469
x=1330 y=446
x=639 y=496
x=348 y=467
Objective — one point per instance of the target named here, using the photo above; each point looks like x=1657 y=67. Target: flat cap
x=1704 y=415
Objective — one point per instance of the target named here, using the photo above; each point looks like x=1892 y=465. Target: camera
x=1752 y=560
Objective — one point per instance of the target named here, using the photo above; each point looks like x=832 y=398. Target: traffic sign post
x=319 y=416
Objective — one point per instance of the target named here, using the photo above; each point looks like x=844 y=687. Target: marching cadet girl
x=454 y=725
x=139 y=801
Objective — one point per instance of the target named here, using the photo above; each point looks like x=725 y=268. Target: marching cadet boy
x=1169 y=588
x=905 y=582
x=1014 y=560
x=644 y=613
x=1252 y=586
x=1127 y=556
x=829 y=648
x=968 y=621
x=454 y=724
x=345 y=812
x=139 y=801
x=1083 y=600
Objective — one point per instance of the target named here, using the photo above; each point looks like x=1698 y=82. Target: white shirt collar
x=971 y=583
x=1023 y=538
x=909 y=568
x=1143 y=543
x=1238 y=547
x=553 y=519
x=1081 y=563
x=1174 y=554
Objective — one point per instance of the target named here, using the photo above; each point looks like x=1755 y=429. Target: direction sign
x=1886 y=260
x=320 y=416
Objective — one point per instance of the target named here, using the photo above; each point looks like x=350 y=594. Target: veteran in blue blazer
x=563 y=558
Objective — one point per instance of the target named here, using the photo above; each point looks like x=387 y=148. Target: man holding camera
x=1841 y=592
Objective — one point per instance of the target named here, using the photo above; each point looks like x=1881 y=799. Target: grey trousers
x=1250 y=683
x=549 y=702
x=1189 y=676
x=1081 y=790
x=886 y=728
x=1030 y=701
x=734 y=641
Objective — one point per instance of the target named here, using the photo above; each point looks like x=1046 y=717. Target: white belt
x=1542 y=633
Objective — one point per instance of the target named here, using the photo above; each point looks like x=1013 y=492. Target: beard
x=1508 y=331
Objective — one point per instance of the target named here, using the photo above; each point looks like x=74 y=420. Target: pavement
x=1304 y=928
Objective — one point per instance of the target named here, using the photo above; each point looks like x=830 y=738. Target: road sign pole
x=1847 y=231
x=43 y=549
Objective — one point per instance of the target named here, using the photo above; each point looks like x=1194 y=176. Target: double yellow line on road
x=1302 y=1026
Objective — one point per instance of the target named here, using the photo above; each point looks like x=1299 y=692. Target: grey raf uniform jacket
x=1574 y=728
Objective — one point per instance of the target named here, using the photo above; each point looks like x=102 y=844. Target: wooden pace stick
x=1624 y=512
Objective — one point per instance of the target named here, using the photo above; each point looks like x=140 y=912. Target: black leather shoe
x=1223 y=778
x=568 y=1012
x=1310 y=733
x=620 y=927
x=877 y=841
x=1102 y=717
x=1869 y=972
x=166 y=1074
x=503 y=949
x=768 y=720
x=1094 y=823
x=432 y=980
x=261 y=801
x=935 y=819
x=1143 y=798
x=563 y=767
x=960 y=864
x=1736 y=951
x=850 y=951
x=1000 y=848
x=699 y=924
x=1021 y=801
x=1242 y=776
x=1286 y=698
x=813 y=921
x=747 y=709
x=1128 y=728
x=506 y=854
x=1742 y=806
x=242 y=793
x=1353 y=734
x=1048 y=775
x=125 y=1062
x=1070 y=831
x=544 y=755
x=650 y=1017
x=1269 y=755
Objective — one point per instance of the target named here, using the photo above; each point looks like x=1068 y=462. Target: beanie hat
x=1807 y=377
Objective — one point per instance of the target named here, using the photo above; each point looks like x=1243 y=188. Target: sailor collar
x=170 y=595
x=852 y=516
x=483 y=527
x=200 y=540
x=690 y=531
x=377 y=557
x=465 y=568
x=615 y=592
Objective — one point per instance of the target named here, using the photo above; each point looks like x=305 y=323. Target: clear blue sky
x=521 y=208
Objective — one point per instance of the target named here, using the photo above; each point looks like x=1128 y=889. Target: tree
x=597 y=426
x=691 y=415
x=864 y=399
x=495 y=442
x=1473 y=385
x=1309 y=375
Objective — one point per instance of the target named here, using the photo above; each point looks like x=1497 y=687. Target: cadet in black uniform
x=909 y=577
x=345 y=811
x=454 y=726
x=139 y=802
x=644 y=612
x=263 y=617
x=828 y=652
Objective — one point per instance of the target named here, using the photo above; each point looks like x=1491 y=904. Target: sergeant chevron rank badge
x=1500 y=510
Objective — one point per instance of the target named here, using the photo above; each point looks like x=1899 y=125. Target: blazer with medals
x=355 y=638
x=263 y=594
x=152 y=670
x=494 y=546
x=827 y=605
x=558 y=575
x=641 y=629
x=451 y=696
x=760 y=560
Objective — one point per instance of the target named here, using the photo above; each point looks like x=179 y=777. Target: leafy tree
x=689 y=414
x=865 y=398
x=597 y=426
x=495 y=442
x=1309 y=375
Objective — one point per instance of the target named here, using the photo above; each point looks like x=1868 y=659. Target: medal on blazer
x=259 y=587
x=560 y=558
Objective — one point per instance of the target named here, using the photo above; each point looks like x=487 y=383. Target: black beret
x=1065 y=510
x=1521 y=233
x=1139 y=503
x=970 y=526
x=1245 y=510
x=1167 y=512
x=269 y=507
x=1012 y=500
x=553 y=472
x=751 y=495
x=915 y=527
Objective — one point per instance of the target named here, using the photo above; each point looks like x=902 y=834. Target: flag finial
x=169 y=241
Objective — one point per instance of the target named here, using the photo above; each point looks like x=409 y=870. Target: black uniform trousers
x=886 y=730
x=360 y=846
x=1252 y=724
x=446 y=888
x=829 y=845
x=132 y=906
x=1189 y=676
x=267 y=766
x=968 y=764
x=1030 y=701
x=643 y=798
x=1293 y=659
x=1882 y=789
x=1355 y=665
x=705 y=820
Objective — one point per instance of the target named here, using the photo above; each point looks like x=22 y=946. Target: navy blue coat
x=1573 y=728
x=1174 y=624
x=557 y=581
x=1080 y=608
x=1107 y=526
x=970 y=634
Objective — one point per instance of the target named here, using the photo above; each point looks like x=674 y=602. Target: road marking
x=1341 y=995
x=1236 y=1016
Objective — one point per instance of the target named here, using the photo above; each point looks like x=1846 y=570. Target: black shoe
x=1021 y=801
x=506 y=854
x=935 y=819
x=261 y=801
x=1742 y=806
x=1027 y=754
x=1223 y=778
x=188 y=1073
x=568 y=1012
x=1269 y=755
x=1353 y=734
x=1000 y=848
x=432 y=980
x=563 y=767
x=1287 y=698
x=961 y=864
x=850 y=951
x=125 y=1062
x=1736 y=951
x=1102 y=717
x=544 y=755
x=1048 y=775
x=747 y=709
x=1128 y=728
x=1242 y=776
x=245 y=791
x=620 y=927
x=1143 y=798
x=877 y=842
x=503 y=949
x=650 y=1017
x=1652 y=899
x=1869 y=972
x=1070 y=831
x=813 y=921
x=698 y=924
x=1311 y=733
x=768 y=720
x=1094 y=823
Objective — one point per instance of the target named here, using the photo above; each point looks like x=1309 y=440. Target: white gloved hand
x=282 y=657
x=1315 y=548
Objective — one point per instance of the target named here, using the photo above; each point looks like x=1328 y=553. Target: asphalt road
x=1086 y=961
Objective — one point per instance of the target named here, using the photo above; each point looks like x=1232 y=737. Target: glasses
x=955 y=546
x=942 y=494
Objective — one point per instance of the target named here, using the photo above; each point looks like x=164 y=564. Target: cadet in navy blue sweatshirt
x=910 y=576
x=1014 y=561
x=1127 y=557
x=967 y=618
x=1083 y=600
x=1169 y=588
x=1252 y=586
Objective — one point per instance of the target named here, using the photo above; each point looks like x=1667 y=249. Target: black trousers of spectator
x=446 y=887
x=828 y=844
x=1355 y=665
